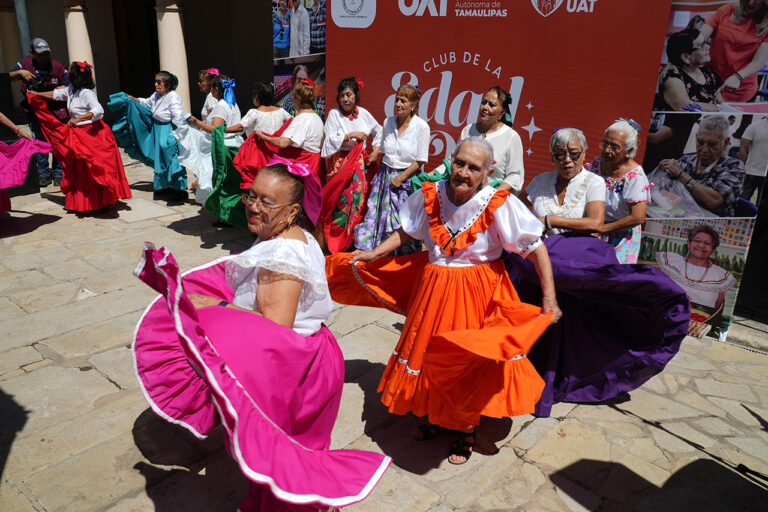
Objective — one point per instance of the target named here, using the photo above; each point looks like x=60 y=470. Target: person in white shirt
x=754 y=153
x=348 y=129
x=204 y=83
x=165 y=102
x=93 y=174
x=195 y=153
x=299 y=30
x=266 y=117
x=405 y=146
x=494 y=124
x=306 y=130
x=570 y=198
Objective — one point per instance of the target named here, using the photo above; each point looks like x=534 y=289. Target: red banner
x=566 y=63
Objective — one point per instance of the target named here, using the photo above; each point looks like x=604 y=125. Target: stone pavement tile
x=653 y=407
x=397 y=491
x=70 y=269
x=724 y=352
x=15 y=281
x=656 y=384
x=392 y=321
x=567 y=443
x=561 y=409
x=37 y=365
x=670 y=443
x=369 y=345
x=142 y=209
x=37 y=245
x=757 y=372
x=17 y=358
x=670 y=382
x=361 y=410
x=12 y=374
x=645 y=449
x=352 y=318
x=9 y=309
x=73 y=485
x=53 y=394
x=45 y=324
x=695 y=400
x=45 y=296
x=689 y=362
x=716 y=427
x=111 y=259
x=11 y=500
x=751 y=445
x=109 y=280
x=94 y=338
x=689 y=433
x=49 y=446
x=471 y=484
x=38 y=258
x=712 y=387
x=533 y=432
x=741 y=412
x=117 y=366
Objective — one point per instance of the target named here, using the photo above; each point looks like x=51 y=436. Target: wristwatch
x=690 y=184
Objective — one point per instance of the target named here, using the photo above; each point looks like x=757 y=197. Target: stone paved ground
x=76 y=433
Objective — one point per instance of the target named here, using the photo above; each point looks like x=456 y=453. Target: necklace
x=694 y=281
x=286 y=228
x=352 y=116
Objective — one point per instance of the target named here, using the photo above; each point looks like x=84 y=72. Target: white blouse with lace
x=583 y=188
x=294 y=257
x=514 y=228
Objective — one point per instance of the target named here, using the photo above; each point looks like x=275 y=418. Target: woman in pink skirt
x=241 y=342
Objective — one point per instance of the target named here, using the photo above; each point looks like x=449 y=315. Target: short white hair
x=563 y=136
x=630 y=142
x=716 y=124
x=483 y=144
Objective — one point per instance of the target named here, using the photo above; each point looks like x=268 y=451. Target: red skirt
x=93 y=174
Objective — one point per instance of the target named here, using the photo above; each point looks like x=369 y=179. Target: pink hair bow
x=213 y=71
x=313 y=191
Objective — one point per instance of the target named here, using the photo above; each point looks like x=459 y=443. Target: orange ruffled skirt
x=462 y=353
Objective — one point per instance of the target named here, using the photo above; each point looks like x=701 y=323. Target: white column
x=78 y=42
x=173 y=53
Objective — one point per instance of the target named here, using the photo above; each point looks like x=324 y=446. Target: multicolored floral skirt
x=346 y=187
x=383 y=215
x=626 y=244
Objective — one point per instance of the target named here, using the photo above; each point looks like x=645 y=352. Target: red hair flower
x=84 y=64
x=359 y=83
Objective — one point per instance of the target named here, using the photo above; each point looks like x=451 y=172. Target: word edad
x=418 y=7
x=438 y=105
x=446 y=58
x=479 y=9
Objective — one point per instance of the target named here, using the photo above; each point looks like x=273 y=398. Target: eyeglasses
x=261 y=205
x=612 y=147
x=159 y=82
x=702 y=242
x=573 y=155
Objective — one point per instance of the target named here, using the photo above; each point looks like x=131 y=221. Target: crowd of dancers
x=514 y=298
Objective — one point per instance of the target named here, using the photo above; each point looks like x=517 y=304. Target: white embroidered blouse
x=164 y=108
x=583 y=188
x=287 y=256
x=514 y=228
x=337 y=125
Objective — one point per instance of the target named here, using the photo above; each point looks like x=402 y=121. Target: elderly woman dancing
x=93 y=173
x=462 y=353
x=347 y=131
x=143 y=127
x=240 y=341
x=621 y=323
x=627 y=189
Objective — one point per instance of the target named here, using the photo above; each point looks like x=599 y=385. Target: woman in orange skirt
x=462 y=353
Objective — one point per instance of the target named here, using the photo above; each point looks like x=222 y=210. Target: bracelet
x=741 y=78
x=546 y=222
x=689 y=186
x=223 y=303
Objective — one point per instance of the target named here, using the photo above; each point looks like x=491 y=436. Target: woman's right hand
x=193 y=120
x=364 y=256
x=731 y=83
x=549 y=304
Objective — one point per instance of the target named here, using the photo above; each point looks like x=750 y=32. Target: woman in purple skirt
x=621 y=323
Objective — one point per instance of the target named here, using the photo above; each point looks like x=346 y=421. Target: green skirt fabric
x=226 y=198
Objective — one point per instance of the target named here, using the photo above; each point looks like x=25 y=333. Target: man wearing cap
x=41 y=72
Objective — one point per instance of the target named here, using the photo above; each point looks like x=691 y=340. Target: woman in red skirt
x=93 y=168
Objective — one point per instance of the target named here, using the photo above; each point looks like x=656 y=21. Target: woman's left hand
x=202 y=301
x=73 y=122
x=397 y=181
x=550 y=304
x=373 y=157
x=193 y=120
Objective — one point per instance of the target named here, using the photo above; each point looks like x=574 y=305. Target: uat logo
x=546 y=7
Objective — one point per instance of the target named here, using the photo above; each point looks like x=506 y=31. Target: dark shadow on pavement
x=233 y=239
x=183 y=472
x=394 y=433
x=11 y=225
x=702 y=485
x=143 y=186
x=13 y=417
x=54 y=197
x=763 y=422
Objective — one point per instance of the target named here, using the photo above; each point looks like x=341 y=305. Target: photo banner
x=580 y=63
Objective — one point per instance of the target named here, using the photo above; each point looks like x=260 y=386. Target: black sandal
x=428 y=431
x=462 y=447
